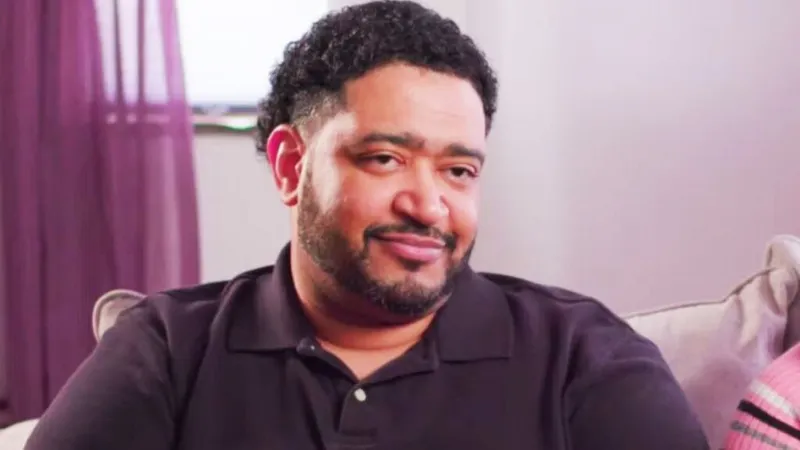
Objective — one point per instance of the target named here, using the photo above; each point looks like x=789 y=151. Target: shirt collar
x=474 y=324
x=268 y=316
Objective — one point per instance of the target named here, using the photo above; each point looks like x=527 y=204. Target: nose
x=423 y=200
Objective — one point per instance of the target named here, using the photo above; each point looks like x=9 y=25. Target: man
x=371 y=331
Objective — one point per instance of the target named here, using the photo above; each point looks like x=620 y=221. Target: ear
x=288 y=148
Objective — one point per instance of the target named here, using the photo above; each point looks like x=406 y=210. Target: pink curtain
x=96 y=177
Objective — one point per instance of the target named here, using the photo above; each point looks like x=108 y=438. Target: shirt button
x=306 y=346
x=360 y=395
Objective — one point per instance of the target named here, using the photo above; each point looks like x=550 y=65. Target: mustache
x=376 y=231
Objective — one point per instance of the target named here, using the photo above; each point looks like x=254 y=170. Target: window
x=229 y=49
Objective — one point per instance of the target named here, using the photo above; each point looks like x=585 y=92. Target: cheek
x=464 y=216
x=360 y=205
x=326 y=182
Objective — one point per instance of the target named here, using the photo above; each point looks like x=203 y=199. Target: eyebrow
x=410 y=141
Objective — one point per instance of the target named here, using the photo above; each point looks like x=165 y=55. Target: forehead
x=399 y=98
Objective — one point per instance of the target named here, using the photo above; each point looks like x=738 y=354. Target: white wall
x=454 y=9
x=662 y=138
x=643 y=153
x=243 y=224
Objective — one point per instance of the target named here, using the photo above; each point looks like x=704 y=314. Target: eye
x=382 y=162
x=383 y=159
x=462 y=173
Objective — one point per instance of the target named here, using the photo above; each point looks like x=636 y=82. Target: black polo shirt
x=506 y=364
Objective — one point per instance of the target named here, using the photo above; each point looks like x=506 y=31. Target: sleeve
x=630 y=401
x=766 y=416
x=120 y=397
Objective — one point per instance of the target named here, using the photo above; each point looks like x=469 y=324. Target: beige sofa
x=715 y=348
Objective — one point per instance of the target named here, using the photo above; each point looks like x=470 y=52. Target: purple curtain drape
x=96 y=177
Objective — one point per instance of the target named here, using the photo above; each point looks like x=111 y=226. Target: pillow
x=784 y=251
x=716 y=349
x=108 y=306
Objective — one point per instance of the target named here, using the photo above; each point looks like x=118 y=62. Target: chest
x=301 y=403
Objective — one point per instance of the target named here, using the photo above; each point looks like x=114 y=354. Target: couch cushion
x=716 y=349
x=15 y=436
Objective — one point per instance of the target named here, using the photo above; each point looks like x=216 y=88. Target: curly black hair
x=346 y=44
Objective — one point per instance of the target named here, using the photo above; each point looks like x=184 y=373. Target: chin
x=400 y=269
x=422 y=278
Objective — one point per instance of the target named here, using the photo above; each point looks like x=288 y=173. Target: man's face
x=388 y=200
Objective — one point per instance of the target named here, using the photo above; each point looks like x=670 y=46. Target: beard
x=324 y=241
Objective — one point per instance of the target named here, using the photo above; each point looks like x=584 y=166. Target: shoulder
x=604 y=379
x=567 y=308
x=586 y=333
x=185 y=315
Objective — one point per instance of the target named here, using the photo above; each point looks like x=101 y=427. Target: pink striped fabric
x=767 y=417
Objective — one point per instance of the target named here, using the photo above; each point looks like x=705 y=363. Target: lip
x=412 y=239
x=411 y=247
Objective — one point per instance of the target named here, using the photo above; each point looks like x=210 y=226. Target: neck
x=354 y=335
x=364 y=350
x=363 y=327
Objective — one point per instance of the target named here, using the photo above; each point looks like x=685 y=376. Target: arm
x=120 y=397
x=767 y=414
x=631 y=401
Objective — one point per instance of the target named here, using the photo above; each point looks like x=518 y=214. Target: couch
x=715 y=348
